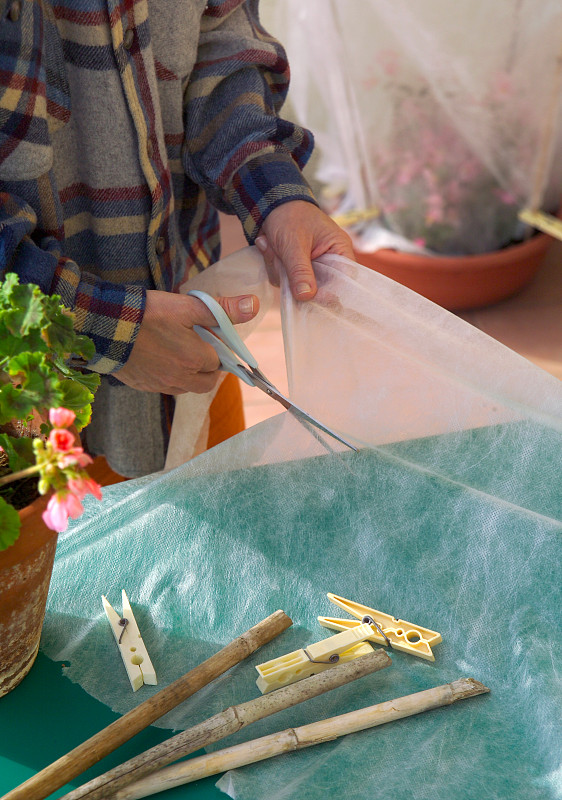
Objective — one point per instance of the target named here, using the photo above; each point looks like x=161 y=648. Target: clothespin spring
x=123 y=622
x=334 y=658
x=370 y=621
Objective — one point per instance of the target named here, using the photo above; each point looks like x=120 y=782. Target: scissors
x=231 y=351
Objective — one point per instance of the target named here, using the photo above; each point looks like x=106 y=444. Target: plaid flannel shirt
x=123 y=126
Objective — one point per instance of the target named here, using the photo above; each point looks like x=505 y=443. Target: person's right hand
x=168 y=356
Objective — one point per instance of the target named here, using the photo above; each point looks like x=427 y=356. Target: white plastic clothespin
x=299 y=664
x=385 y=629
x=130 y=643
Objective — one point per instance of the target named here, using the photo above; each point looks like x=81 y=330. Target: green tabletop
x=46 y=716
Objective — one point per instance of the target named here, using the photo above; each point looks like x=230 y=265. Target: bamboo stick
x=547 y=139
x=297 y=738
x=225 y=724
x=544 y=222
x=107 y=740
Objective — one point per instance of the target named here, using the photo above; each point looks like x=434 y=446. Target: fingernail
x=303 y=288
x=246 y=305
x=261 y=243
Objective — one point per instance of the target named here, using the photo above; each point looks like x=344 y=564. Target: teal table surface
x=46 y=716
x=459 y=533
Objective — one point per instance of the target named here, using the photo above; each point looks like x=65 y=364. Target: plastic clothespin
x=385 y=629
x=317 y=657
x=130 y=643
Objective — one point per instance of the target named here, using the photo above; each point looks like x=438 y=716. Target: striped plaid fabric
x=123 y=127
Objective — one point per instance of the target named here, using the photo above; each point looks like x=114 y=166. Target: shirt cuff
x=109 y=314
x=263 y=183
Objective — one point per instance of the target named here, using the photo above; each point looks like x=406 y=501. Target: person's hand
x=168 y=356
x=292 y=236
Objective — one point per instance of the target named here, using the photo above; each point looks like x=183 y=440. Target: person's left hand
x=292 y=236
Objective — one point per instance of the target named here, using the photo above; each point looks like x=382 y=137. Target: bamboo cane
x=298 y=738
x=107 y=740
x=547 y=139
x=225 y=724
x=544 y=222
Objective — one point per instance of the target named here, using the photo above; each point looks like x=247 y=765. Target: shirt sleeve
x=245 y=156
x=34 y=102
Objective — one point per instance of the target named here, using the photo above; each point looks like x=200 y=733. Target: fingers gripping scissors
x=231 y=351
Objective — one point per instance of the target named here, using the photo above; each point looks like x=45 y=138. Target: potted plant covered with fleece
x=434 y=131
x=44 y=402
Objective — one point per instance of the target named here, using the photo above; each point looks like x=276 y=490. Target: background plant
x=37 y=340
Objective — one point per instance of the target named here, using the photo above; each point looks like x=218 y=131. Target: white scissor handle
x=225 y=354
x=225 y=329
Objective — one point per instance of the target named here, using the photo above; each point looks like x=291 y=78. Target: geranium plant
x=435 y=186
x=42 y=397
x=447 y=125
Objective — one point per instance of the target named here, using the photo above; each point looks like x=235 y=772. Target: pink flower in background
x=61 y=506
x=61 y=417
x=506 y=197
x=61 y=439
x=389 y=61
x=502 y=84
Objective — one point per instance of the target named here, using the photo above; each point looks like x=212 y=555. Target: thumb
x=241 y=308
x=298 y=266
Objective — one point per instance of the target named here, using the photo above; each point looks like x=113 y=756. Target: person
x=123 y=129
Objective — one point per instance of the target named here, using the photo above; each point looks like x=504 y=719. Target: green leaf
x=28 y=313
x=39 y=382
x=91 y=380
x=77 y=398
x=27 y=362
x=19 y=451
x=8 y=284
x=10 y=524
x=14 y=404
x=11 y=345
x=36 y=336
x=84 y=347
x=60 y=334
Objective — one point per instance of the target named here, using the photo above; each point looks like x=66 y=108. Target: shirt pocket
x=34 y=91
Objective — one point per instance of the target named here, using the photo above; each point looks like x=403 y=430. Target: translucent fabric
x=445 y=117
x=449 y=516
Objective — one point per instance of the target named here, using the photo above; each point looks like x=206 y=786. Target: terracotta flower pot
x=462 y=282
x=25 y=574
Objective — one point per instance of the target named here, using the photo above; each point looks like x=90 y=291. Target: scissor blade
x=262 y=383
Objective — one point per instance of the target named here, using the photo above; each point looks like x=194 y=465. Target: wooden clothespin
x=303 y=663
x=130 y=643
x=385 y=629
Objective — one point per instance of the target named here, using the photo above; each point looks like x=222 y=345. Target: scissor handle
x=225 y=354
x=225 y=329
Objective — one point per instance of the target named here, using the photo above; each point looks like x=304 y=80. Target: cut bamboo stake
x=225 y=724
x=544 y=222
x=107 y=740
x=547 y=139
x=297 y=738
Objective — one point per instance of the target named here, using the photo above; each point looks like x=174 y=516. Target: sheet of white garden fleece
x=456 y=527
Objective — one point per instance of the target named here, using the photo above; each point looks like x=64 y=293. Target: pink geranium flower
x=61 y=417
x=61 y=506
x=75 y=456
x=83 y=486
x=61 y=440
